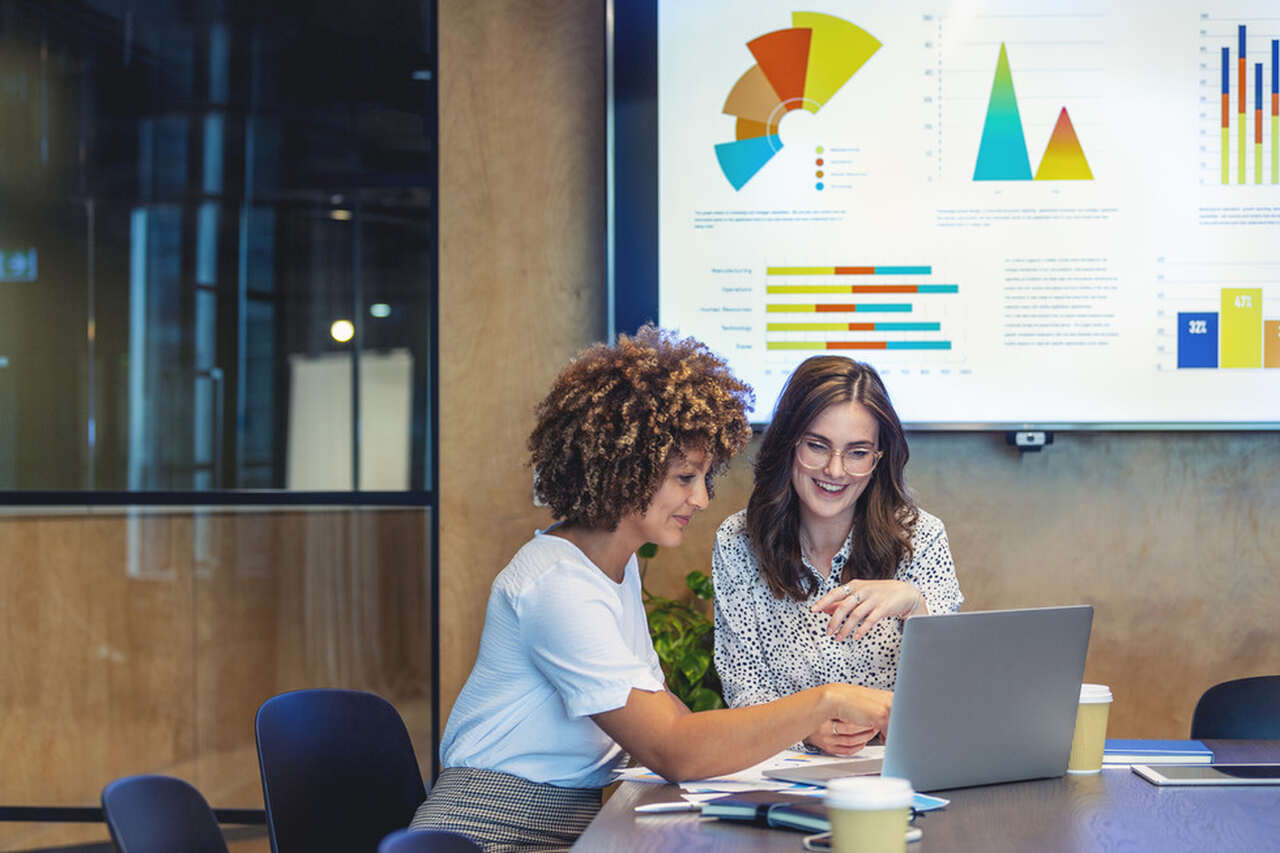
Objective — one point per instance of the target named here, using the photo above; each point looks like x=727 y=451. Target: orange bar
x=855 y=270
x=1257 y=126
x=883 y=288
x=862 y=327
x=1271 y=343
x=1275 y=103
x=1226 y=110
x=1243 y=75
x=857 y=345
x=829 y=307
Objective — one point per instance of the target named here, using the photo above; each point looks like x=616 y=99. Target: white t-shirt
x=561 y=642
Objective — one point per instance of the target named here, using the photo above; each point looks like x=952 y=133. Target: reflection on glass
x=194 y=194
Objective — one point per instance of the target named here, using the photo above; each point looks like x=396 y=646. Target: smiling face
x=828 y=493
x=683 y=492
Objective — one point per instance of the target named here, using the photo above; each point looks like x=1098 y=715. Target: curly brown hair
x=616 y=414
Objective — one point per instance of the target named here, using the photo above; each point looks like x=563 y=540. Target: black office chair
x=1245 y=708
x=160 y=814
x=427 y=841
x=338 y=770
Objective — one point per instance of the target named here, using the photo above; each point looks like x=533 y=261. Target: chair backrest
x=427 y=841
x=1245 y=708
x=338 y=770
x=160 y=814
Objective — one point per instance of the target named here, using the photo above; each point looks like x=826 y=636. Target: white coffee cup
x=1090 y=736
x=869 y=814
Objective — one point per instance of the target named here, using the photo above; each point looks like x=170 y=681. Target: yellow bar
x=791 y=309
x=1240 y=322
x=807 y=288
x=1257 y=163
x=1275 y=149
x=795 y=345
x=806 y=327
x=800 y=271
x=1226 y=155
x=1240 y=155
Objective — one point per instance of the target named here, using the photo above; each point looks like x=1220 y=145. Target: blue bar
x=938 y=288
x=917 y=345
x=1257 y=86
x=908 y=327
x=904 y=270
x=1197 y=339
x=1226 y=71
x=1241 y=33
x=1275 y=67
x=896 y=307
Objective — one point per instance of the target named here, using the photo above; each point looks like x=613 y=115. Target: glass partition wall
x=217 y=260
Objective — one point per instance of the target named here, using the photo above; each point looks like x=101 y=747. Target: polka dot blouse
x=767 y=647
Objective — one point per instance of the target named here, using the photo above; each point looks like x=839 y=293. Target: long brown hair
x=883 y=517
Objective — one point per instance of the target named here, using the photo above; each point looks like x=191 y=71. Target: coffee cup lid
x=869 y=793
x=1094 y=694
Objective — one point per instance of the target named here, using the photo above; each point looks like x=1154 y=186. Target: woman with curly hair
x=566 y=680
x=814 y=579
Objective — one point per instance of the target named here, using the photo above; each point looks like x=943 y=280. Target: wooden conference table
x=1114 y=810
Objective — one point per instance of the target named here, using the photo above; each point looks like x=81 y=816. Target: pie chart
x=801 y=67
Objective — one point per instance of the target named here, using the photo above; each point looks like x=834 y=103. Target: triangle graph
x=801 y=67
x=1002 y=154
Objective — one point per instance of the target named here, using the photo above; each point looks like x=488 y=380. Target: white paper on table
x=752 y=778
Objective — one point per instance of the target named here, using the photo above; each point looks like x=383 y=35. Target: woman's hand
x=857 y=606
x=838 y=738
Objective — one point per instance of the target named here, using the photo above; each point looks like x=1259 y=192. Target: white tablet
x=1210 y=774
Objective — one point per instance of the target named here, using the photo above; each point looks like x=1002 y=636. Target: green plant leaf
x=647 y=551
x=694 y=663
x=700 y=584
x=703 y=699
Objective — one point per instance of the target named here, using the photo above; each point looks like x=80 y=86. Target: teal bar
x=908 y=327
x=903 y=307
x=904 y=270
x=917 y=345
x=937 y=288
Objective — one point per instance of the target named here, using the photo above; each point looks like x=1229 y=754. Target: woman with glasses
x=566 y=682
x=814 y=579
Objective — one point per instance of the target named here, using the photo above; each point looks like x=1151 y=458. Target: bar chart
x=1227 y=316
x=856 y=307
x=1257 y=92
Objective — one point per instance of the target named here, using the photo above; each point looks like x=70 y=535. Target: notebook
x=1122 y=751
x=981 y=697
x=789 y=811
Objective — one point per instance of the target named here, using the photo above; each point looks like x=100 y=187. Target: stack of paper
x=753 y=779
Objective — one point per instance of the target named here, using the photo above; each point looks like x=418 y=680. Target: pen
x=669 y=806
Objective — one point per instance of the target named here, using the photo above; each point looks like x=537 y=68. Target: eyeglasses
x=858 y=461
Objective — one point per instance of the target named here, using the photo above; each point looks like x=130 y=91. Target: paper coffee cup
x=869 y=814
x=1091 y=729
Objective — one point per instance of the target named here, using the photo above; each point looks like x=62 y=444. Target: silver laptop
x=981 y=697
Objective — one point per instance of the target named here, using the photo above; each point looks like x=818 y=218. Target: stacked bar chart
x=1249 y=133
x=1235 y=336
x=855 y=307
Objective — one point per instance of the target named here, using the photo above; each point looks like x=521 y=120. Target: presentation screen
x=1053 y=214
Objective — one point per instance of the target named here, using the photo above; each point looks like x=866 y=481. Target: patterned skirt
x=504 y=813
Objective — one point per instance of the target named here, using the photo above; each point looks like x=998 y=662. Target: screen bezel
x=631 y=130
